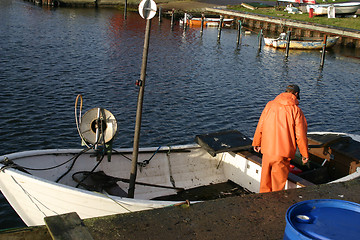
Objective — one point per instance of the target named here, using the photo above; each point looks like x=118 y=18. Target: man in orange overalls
x=282 y=128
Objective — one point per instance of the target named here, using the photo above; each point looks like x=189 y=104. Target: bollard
x=239 y=33
x=260 y=38
x=220 y=27
x=323 y=52
x=288 y=38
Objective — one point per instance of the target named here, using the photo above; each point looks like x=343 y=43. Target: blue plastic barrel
x=323 y=219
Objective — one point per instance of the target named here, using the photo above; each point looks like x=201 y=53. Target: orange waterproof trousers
x=274 y=173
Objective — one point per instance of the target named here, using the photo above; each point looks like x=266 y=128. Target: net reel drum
x=98 y=126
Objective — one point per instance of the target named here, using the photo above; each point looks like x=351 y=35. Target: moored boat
x=340 y=8
x=208 y=22
x=87 y=181
x=307 y=43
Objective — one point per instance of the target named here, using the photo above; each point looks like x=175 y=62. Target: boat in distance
x=307 y=43
x=340 y=8
x=92 y=183
x=208 y=22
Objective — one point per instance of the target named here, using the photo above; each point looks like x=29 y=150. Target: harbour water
x=194 y=83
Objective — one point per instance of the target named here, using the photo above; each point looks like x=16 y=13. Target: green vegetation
x=346 y=22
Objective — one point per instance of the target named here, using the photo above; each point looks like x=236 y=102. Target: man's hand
x=257 y=148
x=305 y=160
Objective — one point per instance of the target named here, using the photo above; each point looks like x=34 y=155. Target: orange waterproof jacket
x=282 y=126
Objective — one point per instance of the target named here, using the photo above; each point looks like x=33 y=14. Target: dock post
x=288 y=39
x=220 y=27
x=172 y=19
x=185 y=21
x=160 y=9
x=323 y=52
x=202 y=24
x=125 y=9
x=260 y=38
x=239 y=33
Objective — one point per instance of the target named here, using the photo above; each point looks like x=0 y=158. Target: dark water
x=194 y=84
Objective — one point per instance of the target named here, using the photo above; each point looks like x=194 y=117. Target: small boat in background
x=307 y=43
x=340 y=8
x=208 y=22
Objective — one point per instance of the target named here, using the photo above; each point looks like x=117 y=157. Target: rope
x=79 y=96
x=102 y=158
x=146 y=162
x=73 y=163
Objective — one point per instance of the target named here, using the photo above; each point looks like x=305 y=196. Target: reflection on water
x=195 y=84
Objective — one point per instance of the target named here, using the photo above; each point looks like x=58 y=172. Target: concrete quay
x=254 y=216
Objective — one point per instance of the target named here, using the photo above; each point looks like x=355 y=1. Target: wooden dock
x=254 y=216
x=348 y=37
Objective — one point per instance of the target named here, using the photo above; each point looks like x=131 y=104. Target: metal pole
x=288 y=39
x=323 y=52
x=141 y=84
x=239 y=34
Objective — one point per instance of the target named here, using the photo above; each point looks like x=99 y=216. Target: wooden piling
x=288 y=39
x=260 y=39
x=202 y=24
x=172 y=19
x=220 y=27
x=238 y=39
x=160 y=13
x=125 y=9
x=323 y=52
x=185 y=21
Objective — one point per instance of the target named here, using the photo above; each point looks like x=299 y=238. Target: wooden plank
x=67 y=227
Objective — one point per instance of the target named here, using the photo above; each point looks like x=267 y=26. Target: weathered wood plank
x=67 y=227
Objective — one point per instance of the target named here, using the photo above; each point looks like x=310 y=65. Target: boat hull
x=303 y=44
x=35 y=197
x=49 y=191
x=209 y=22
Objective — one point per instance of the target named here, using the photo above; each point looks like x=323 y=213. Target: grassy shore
x=188 y=5
x=345 y=22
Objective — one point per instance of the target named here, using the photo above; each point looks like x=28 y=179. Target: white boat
x=49 y=182
x=340 y=8
x=303 y=43
x=206 y=21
